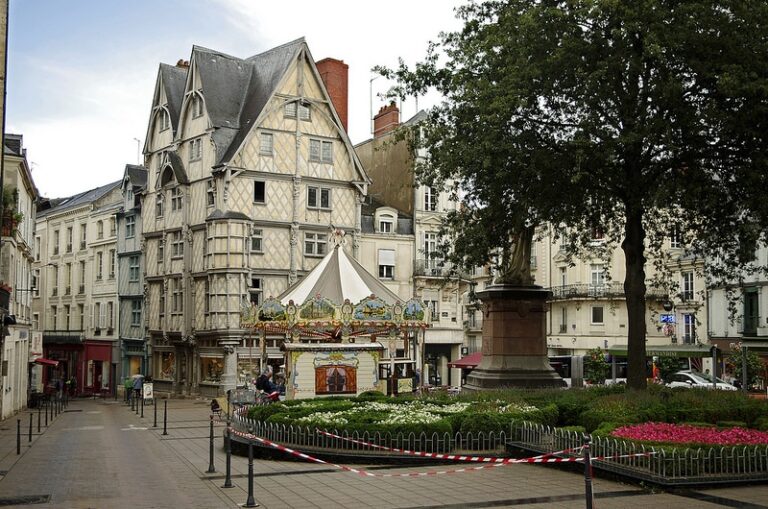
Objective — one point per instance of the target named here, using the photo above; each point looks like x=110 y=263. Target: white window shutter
x=387 y=257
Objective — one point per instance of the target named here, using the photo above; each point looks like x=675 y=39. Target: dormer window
x=386 y=224
x=197 y=106
x=164 y=120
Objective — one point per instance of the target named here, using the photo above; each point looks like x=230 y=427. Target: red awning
x=46 y=362
x=468 y=362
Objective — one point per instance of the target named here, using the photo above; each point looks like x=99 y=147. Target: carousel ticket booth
x=345 y=332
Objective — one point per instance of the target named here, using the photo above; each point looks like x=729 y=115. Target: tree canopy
x=636 y=118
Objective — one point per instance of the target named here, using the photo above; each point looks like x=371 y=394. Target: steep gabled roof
x=137 y=175
x=174 y=78
x=236 y=90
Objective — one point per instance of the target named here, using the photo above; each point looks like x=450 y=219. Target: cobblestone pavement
x=100 y=454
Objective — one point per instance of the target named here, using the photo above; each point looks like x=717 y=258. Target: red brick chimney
x=335 y=75
x=386 y=120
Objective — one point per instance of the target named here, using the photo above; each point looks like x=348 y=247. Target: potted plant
x=11 y=217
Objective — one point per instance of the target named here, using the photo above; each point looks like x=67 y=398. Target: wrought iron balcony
x=612 y=290
x=434 y=267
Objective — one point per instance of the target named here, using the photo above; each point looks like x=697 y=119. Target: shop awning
x=666 y=350
x=46 y=362
x=470 y=361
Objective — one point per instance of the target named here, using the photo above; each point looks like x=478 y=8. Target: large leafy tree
x=632 y=117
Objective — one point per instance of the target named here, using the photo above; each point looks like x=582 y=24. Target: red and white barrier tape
x=435 y=455
x=365 y=473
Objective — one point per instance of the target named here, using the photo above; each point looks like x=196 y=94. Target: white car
x=693 y=379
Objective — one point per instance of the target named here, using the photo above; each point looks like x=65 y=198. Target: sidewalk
x=100 y=454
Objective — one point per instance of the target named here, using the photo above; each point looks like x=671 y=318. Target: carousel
x=343 y=332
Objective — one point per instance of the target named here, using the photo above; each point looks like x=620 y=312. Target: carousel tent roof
x=338 y=277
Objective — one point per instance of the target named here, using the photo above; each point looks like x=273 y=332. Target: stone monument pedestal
x=514 y=340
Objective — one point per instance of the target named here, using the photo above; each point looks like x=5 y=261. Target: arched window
x=196 y=106
x=386 y=223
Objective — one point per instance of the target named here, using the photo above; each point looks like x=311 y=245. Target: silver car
x=693 y=379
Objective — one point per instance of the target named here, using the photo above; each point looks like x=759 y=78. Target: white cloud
x=84 y=135
x=363 y=34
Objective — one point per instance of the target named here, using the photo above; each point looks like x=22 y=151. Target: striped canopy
x=336 y=278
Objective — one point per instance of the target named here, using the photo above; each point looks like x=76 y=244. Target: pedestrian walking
x=138 y=382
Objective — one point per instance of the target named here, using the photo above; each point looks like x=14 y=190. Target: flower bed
x=667 y=433
x=384 y=415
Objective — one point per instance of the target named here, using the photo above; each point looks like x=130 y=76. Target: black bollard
x=250 y=502
x=138 y=404
x=588 y=475
x=154 y=406
x=30 y=428
x=165 y=417
x=18 y=436
x=142 y=407
x=211 y=467
x=228 y=439
x=39 y=411
x=46 y=413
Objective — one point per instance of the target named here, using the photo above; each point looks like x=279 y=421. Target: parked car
x=694 y=379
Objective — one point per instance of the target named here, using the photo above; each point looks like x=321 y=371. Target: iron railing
x=666 y=466
x=610 y=290
x=434 y=267
x=307 y=439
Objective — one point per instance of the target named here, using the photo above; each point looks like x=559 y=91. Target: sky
x=81 y=73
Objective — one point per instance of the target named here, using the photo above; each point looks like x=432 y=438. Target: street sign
x=666 y=318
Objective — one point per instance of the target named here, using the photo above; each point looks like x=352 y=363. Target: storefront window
x=211 y=369
x=135 y=365
x=167 y=366
x=247 y=370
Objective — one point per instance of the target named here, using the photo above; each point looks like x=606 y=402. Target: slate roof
x=137 y=175
x=79 y=199
x=218 y=214
x=174 y=79
x=235 y=90
x=368 y=213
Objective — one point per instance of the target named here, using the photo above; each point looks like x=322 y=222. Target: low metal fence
x=671 y=466
x=307 y=439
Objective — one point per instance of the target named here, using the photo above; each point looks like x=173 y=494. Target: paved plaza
x=100 y=454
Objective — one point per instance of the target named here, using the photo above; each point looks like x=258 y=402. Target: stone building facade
x=390 y=164
x=16 y=256
x=76 y=300
x=248 y=167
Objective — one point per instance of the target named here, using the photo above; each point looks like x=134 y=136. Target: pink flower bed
x=685 y=434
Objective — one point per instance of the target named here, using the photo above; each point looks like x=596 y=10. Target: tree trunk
x=634 y=291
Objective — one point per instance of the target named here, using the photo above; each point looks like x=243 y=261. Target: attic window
x=289 y=111
x=304 y=112
x=164 y=120
x=266 y=144
x=197 y=106
x=386 y=223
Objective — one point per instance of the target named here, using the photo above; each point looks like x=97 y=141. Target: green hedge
x=597 y=410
